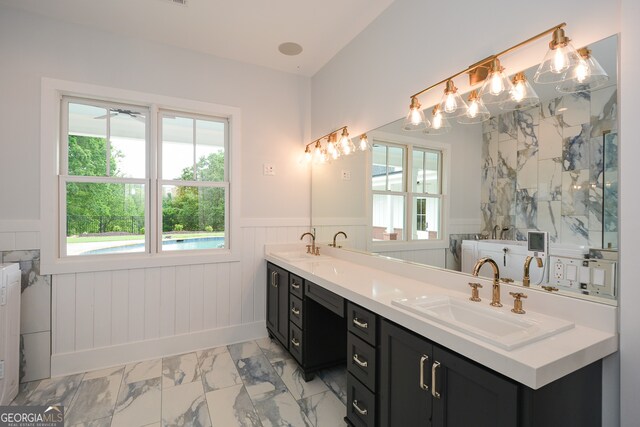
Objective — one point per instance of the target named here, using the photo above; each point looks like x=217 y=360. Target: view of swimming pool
x=167 y=245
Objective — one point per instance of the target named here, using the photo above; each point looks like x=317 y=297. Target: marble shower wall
x=548 y=168
x=35 y=315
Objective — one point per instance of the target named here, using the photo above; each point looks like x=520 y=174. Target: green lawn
x=92 y=239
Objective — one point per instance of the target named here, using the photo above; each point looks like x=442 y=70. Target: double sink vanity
x=420 y=352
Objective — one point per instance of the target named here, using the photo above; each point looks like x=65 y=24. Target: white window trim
x=392 y=246
x=50 y=121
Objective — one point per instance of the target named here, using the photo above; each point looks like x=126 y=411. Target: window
x=122 y=191
x=406 y=183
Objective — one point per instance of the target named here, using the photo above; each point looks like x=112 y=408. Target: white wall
x=416 y=43
x=112 y=317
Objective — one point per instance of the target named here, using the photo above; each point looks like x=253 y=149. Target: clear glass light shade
x=415 y=120
x=522 y=95
x=307 y=155
x=477 y=112
x=452 y=104
x=497 y=86
x=346 y=146
x=332 y=149
x=364 y=144
x=439 y=123
x=587 y=75
x=559 y=61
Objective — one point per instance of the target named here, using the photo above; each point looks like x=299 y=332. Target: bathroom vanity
x=408 y=368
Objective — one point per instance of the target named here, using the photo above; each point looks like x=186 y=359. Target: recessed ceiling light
x=290 y=49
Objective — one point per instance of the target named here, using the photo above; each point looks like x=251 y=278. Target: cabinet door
x=471 y=395
x=405 y=378
x=278 y=303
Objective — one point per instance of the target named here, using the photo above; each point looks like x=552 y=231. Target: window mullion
x=108 y=142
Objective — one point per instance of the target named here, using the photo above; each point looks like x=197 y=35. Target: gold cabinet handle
x=357 y=408
x=423 y=359
x=359 y=323
x=434 y=386
x=295 y=311
x=295 y=342
x=294 y=285
x=274 y=279
x=363 y=363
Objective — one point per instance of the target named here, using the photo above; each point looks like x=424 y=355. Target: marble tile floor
x=251 y=384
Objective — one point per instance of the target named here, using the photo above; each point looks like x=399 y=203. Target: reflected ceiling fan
x=119 y=111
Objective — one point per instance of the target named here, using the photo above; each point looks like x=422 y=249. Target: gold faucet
x=495 y=294
x=314 y=250
x=526 y=280
x=336 y=235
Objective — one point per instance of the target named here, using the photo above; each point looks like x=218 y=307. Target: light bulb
x=518 y=91
x=496 y=86
x=307 y=155
x=582 y=71
x=473 y=109
x=364 y=142
x=415 y=116
x=560 y=62
x=450 y=104
x=437 y=120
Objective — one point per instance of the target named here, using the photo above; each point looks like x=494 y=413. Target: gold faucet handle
x=517 y=302
x=475 y=296
x=506 y=280
x=308 y=249
x=549 y=288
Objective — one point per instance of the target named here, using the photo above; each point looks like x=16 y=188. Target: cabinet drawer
x=361 y=361
x=296 y=285
x=295 y=342
x=362 y=323
x=295 y=310
x=361 y=404
x=325 y=298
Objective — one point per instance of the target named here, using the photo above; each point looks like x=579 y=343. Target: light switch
x=598 y=277
x=346 y=175
x=572 y=272
x=268 y=169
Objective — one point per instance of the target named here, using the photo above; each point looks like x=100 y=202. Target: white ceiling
x=244 y=30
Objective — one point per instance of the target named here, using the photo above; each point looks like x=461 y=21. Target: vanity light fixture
x=452 y=103
x=561 y=64
x=415 y=119
x=522 y=94
x=439 y=122
x=588 y=74
x=364 y=143
x=559 y=61
x=477 y=112
x=332 y=150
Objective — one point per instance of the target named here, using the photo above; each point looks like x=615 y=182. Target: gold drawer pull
x=434 y=368
x=423 y=359
x=357 y=408
x=362 y=363
x=359 y=323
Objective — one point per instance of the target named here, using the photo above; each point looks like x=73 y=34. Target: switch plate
x=346 y=175
x=268 y=169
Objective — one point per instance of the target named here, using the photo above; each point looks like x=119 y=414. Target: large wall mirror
x=477 y=190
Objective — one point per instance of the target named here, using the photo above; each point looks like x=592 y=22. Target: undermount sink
x=497 y=326
x=300 y=255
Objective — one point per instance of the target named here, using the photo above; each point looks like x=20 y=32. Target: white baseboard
x=97 y=358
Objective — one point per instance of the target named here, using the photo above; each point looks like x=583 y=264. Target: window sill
x=393 y=246
x=128 y=261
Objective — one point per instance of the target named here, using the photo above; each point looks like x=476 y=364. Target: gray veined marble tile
x=575 y=151
x=336 y=380
x=232 y=407
x=610 y=152
x=55 y=391
x=526 y=123
x=610 y=203
x=24 y=391
x=506 y=193
x=106 y=372
x=575 y=230
x=35 y=303
x=596 y=160
x=180 y=369
x=259 y=376
x=273 y=350
x=527 y=174
x=549 y=218
x=138 y=403
x=243 y=350
x=488 y=185
x=550 y=107
x=144 y=370
x=102 y=422
x=490 y=149
x=604 y=110
x=16 y=256
x=575 y=193
x=95 y=399
x=507 y=159
x=324 y=410
x=576 y=108
x=280 y=409
x=507 y=127
x=185 y=405
x=490 y=125
x=488 y=217
x=218 y=370
x=526 y=209
x=550 y=179
x=595 y=208
x=293 y=378
x=550 y=136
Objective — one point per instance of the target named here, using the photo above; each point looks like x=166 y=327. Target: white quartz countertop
x=374 y=282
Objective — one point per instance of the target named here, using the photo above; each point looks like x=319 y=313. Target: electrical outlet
x=268 y=169
x=346 y=175
x=559 y=271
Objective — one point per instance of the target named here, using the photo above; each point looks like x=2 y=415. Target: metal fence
x=81 y=224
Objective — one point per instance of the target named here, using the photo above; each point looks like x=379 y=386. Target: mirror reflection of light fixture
x=497 y=86
x=415 y=119
x=477 y=112
x=333 y=149
x=559 y=61
x=364 y=144
x=522 y=94
x=346 y=146
x=574 y=72
x=452 y=103
x=439 y=122
x=587 y=75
